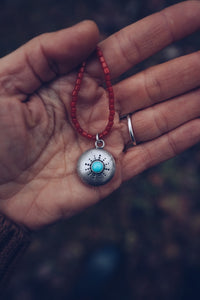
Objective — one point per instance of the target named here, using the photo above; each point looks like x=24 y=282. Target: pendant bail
x=99 y=144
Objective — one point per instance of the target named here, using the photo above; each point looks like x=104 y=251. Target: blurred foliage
x=153 y=220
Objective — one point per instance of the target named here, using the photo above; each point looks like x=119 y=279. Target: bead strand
x=110 y=97
x=110 y=93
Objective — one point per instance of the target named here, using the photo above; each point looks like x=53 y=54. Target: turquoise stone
x=97 y=166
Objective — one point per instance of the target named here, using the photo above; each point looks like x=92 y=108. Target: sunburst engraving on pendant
x=96 y=167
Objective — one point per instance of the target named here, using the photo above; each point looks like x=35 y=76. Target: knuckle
x=160 y=121
x=152 y=86
x=132 y=56
x=172 y=145
x=167 y=24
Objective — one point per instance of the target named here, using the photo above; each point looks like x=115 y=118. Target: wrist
x=14 y=240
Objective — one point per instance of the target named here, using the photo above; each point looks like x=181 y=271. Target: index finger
x=45 y=57
x=144 y=38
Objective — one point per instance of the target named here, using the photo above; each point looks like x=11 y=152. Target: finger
x=157 y=120
x=142 y=39
x=158 y=83
x=45 y=57
x=146 y=155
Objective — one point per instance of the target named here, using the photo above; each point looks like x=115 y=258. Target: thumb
x=46 y=56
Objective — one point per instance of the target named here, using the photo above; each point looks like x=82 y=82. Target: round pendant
x=96 y=167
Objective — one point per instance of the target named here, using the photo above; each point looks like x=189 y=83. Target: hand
x=40 y=147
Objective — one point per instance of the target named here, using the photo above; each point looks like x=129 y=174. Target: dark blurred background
x=143 y=241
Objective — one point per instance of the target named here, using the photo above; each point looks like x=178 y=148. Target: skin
x=40 y=147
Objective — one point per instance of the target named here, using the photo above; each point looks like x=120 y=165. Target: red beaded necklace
x=110 y=96
x=95 y=166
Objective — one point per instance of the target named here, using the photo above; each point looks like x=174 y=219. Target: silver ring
x=130 y=129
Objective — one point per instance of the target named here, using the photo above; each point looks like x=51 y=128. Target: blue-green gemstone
x=97 y=166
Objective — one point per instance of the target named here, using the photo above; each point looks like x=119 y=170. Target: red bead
x=74 y=93
x=110 y=123
x=111 y=117
x=80 y=130
x=99 y=52
x=104 y=65
x=110 y=89
x=112 y=112
x=106 y=70
x=107 y=77
x=101 y=58
x=82 y=69
x=108 y=84
x=112 y=107
x=108 y=128
x=77 y=125
x=77 y=88
x=104 y=133
x=78 y=81
x=73 y=115
x=84 y=134
x=111 y=95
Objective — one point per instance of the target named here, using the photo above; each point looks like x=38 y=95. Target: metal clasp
x=99 y=144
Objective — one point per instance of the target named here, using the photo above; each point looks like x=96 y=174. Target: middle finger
x=158 y=83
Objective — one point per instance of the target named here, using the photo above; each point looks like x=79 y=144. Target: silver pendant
x=96 y=166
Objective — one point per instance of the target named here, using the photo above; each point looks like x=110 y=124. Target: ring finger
x=159 y=119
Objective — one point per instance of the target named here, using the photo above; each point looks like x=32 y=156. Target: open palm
x=40 y=147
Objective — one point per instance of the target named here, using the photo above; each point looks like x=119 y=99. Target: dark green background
x=153 y=220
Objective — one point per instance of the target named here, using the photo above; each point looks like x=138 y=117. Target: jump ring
x=99 y=144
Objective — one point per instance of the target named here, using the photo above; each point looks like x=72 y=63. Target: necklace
x=95 y=166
